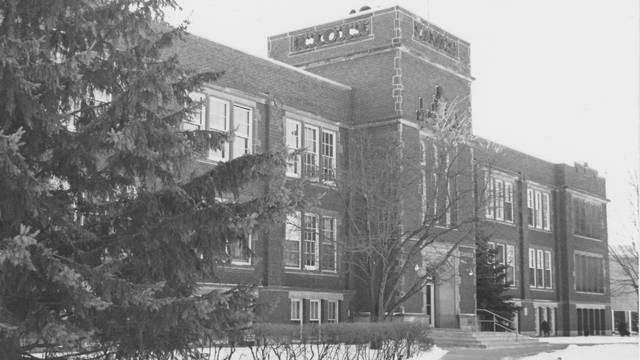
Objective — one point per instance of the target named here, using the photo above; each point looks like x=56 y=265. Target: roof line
x=279 y=63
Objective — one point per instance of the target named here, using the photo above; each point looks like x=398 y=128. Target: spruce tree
x=491 y=285
x=107 y=222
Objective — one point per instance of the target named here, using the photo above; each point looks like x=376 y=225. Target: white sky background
x=557 y=79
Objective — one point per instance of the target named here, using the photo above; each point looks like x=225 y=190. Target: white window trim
x=540 y=266
x=297 y=216
x=316 y=154
x=336 y=306
x=334 y=241
x=295 y=304
x=532 y=265
x=541 y=214
x=550 y=262
x=334 y=147
x=512 y=249
x=319 y=303
x=209 y=126
x=496 y=196
x=298 y=157
x=236 y=133
x=316 y=242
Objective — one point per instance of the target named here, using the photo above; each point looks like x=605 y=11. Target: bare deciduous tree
x=409 y=205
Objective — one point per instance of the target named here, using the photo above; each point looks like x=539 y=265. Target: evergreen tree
x=491 y=285
x=106 y=221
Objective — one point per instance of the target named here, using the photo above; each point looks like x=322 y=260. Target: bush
x=345 y=333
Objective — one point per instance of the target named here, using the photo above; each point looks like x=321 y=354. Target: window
x=499 y=198
x=242 y=119
x=292 y=138
x=540 y=268
x=589 y=271
x=547 y=269
x=314 y=310
x=240 y=252
x=310 y=241
x=219 y=121
x=198 y=119
x=311 y=152
x=296 y=309
x=445 y=188
x=318 y=161
x=511 y=265
x=532 y=267
x=538 y=209
x=587 y=218
x=292 y=241
x=328 y=156
x=332 y=311
x=328 y=250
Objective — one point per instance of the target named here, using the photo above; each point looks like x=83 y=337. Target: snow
x=434 y=353
x=591 y=352
x=591 y=340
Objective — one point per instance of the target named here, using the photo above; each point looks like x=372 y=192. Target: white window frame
x=538 y=208
x=490 y=198
x=511 y=263
x=532 y=265
x=238 y=136
x=296 y=310
x=316 y=242
x=499 y=190
x=335 y=305
x=333 y=148
x=308 y=154
x=294 y=166
x=332 y=241
x=546 y=211
x=223 y=154
x=508 y=198
x=540 y=266
x=548 y=260
x=315 y=317
x=499 y=199
x=539 y=203
x=293 y=226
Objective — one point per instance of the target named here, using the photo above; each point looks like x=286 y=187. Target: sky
x=559 y=80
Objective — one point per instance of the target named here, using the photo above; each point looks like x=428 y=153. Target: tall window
x=219 y=121
x=332 y=311
x=511 y=265
x=315 y=310
x=311 y=151
x=532 y=267
x=240 y=252
x=242 y=119
x=587 y=218
x=499 y=198
x=589 y=270
x=538 y=209
x=540 y=268
x=296 y=309
x=310 y=240
x=292 y=138
x=328 y=250
x=328 y=156
x=292 y=241
x=444 y=183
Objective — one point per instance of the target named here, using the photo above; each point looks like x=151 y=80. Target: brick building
x=370 y=71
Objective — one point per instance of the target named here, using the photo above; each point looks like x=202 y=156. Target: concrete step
x=456 y=338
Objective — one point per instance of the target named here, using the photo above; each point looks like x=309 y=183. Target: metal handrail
x=498 y=323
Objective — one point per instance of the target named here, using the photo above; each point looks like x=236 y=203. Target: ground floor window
x=314 y=310
x=590 y=321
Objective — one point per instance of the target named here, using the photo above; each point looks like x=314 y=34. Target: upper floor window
x=587 y=218
x=589 y=272
x=318 y=159
x=239 y=252
x=499 y=198
x=504 y=255
x=538 y=209
x=540 y=268
x=310 y=242
x=222 y=115
x=444 y=183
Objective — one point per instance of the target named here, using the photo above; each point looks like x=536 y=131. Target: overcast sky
x=555 y=79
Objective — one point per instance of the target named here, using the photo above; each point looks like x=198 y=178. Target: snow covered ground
x=592 y=347
x=591 y=340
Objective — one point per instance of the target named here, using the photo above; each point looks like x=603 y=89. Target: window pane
x=310 y=240
x=292 y=139
x=292 y=242
x=327 y=156
x=328 y=244
x=311 y=151
x=218 y=114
